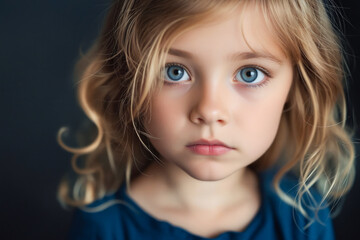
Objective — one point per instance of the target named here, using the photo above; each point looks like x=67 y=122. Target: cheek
x=165 y=118
x=261 y=123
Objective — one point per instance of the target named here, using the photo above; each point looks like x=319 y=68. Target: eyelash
x=262 y=84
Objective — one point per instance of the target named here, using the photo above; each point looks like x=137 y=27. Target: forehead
x=244 y=29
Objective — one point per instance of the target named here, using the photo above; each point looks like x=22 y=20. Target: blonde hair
x=121 y=71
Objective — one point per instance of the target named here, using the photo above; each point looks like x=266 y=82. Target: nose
x=210 y=106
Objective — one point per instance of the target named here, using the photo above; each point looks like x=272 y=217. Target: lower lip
x=209 y=150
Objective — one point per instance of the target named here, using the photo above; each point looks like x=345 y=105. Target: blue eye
x=176 y=73
x=250 y=75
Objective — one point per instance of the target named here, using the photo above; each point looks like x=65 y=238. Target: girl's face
x=225 y=86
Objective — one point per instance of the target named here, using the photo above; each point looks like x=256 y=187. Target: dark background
x=40 y=42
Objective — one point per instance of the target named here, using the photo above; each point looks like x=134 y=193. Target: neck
x=186 y=192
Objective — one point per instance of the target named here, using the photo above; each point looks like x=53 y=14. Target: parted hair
x=120 y=72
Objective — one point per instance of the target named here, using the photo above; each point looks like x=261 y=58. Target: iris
x=175 y=73
x=248 y=74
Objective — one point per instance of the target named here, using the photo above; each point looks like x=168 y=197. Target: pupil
x=249 y=73
x=176 y=71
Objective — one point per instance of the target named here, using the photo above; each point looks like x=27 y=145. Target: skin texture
x=192 y=190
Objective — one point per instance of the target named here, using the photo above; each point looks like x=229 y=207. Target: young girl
x=215 y=119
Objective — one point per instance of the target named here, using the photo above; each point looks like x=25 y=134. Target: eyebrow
x=240 y=56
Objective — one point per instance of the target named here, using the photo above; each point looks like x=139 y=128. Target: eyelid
x=264 y=70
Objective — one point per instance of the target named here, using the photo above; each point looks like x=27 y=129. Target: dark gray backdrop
x=39 y=43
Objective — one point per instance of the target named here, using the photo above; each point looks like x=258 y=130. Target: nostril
x=221 y=122
x=200 y=120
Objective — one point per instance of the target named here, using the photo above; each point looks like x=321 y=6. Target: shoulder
x=98 y=219
x=289 y=221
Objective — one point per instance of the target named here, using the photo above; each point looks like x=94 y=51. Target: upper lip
x=208 y=142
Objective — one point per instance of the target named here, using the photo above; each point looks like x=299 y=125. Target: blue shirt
x=126 y=220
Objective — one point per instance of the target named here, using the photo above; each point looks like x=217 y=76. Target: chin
x=208 y=172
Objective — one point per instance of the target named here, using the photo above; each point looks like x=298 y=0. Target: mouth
x=209 y=147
